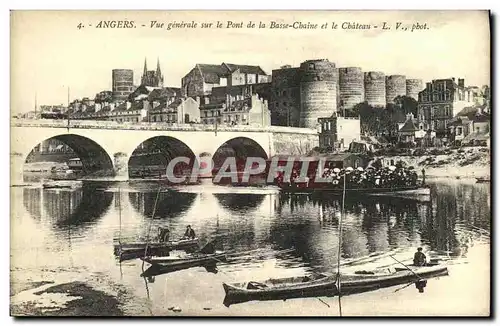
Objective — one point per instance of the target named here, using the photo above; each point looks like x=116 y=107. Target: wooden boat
x=326 y=285
x=409 y=191
x=161 y=265
x=134 y=250
x=62 y=184
x=482 y=180
x=194 y=258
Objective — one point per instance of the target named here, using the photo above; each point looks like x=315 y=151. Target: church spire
x=145 y=67
x=158 y=70
x=159 y=76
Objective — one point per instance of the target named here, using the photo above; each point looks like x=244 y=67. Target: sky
x=49 y=53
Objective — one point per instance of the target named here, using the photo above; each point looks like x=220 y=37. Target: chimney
x=461 y=82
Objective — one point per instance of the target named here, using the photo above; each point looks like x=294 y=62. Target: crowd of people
x=385 y=177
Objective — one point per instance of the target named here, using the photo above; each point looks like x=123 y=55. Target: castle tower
x=318 y=91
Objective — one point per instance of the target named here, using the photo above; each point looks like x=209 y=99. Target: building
x=154 y=94
x=440 y=101
x=338 y=133
x=411 y=131
x=179 y=111
x=284 y=103
x=122 y=84
x=203 y=77
x=470 y=126
x=152 y=78
x=241 y=110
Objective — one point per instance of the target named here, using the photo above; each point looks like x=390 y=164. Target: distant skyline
x=49 y=53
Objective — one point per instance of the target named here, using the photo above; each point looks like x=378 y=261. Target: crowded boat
x=391 y=177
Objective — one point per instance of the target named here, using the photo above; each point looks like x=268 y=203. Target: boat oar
x=404 y=287
x=323 y=302
x=408 y=268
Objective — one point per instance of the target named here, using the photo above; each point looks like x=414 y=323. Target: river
x=67 y=236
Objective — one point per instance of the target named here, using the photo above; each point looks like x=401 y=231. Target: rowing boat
x=483 y=180
x=326 y=285
x=161 y=265
x=172 y=245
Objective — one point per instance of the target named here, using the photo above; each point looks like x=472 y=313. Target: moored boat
x=326 y=285
x=410 y=191
x=161 y=265
x=483 y=180
x=62 y=184
x=138 y=249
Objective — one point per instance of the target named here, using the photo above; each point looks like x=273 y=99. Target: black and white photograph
x=250 y=163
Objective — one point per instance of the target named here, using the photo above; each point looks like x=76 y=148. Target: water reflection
x=66 y=208
x=240 y=203
x=170 y=204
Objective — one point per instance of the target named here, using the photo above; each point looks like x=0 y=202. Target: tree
x=408 y=104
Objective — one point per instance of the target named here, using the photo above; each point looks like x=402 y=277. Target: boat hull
x=327 y=286
x=138 y=249
x=171 y=265
x=408 y=191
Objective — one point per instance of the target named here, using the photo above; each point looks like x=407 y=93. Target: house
x=441 y=100
x=338 y=132
x=200 y=80
x=411 y=131
x=179 y=111
x=471 y=126
x=248 y=109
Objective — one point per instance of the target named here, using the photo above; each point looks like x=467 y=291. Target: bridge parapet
x=86 y=124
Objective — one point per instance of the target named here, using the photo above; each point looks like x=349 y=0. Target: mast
x=339 y=253
x=67 y=110
x=35 y=103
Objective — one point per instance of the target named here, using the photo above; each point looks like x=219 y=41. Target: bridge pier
x=16 y=168
x=120 y=166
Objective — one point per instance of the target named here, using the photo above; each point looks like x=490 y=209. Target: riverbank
x=464 y=163
x=69 y=299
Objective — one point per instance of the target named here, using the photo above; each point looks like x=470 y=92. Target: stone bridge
x=108 y=146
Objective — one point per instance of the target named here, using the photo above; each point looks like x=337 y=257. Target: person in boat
x=163 y=234
x=189 y=234
x=419 y=259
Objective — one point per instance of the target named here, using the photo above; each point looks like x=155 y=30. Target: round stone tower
x=413 y=87
x=395 y=85
x=318 y=91
x=351 y=87
x=375 y=88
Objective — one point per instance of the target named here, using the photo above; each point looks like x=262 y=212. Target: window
x=284 y=103
x=284 y=93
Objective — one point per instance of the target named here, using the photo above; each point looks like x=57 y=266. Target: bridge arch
x=94 y=157
x=151 y=157
x=240 y=148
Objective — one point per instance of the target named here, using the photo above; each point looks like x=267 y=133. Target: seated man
x=189 y=234
x=419 y=259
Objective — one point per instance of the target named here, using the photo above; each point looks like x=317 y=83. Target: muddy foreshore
x=63 y=300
